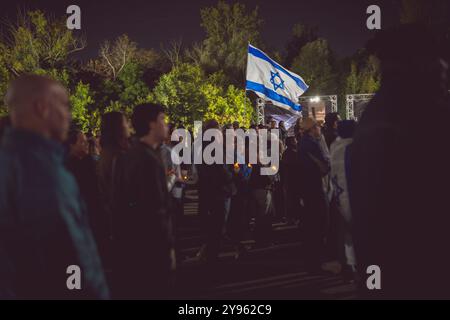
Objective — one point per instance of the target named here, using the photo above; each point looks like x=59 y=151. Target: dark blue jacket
x=43 y=224
x=308 y=147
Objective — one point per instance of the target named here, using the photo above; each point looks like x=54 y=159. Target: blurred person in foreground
x=398 y=177
x=44 y=227
x=83 y=167
x=144 y=255
x=339 y=152
x=314 y=165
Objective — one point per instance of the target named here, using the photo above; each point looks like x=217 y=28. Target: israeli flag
x=272 y=82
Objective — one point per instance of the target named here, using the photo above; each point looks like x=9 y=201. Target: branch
x=103 y=52
x=124 y=61
x=78 y=45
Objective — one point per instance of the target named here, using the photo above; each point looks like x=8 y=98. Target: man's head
x=115 y=130
x=332 y=119
x=291 y=142
x=77 y=143
x=39 y=104
x=149 y=120
x=412 y=51
x=310 y=126
x=273 y=124
x=211 y=124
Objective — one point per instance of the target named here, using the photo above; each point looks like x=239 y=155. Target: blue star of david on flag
x=273 y=80
x=265 y=77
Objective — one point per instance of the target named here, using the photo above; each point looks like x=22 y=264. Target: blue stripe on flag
x=272 y=95
x=259 y=54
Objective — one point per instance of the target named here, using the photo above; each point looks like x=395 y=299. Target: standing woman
x=114 y=141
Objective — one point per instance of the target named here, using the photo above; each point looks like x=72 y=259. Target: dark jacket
x=85 y=173
x=330 y=134
x=215 y=180
x=399 y=191
x=308 y=150
x=142 y=230
x=43 y=224
x=106 y=172
x=258 y=181
x=290 y=171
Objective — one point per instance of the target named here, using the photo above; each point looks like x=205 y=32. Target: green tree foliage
x=364 y=75
x=229 y=28
x=179 y=91
x=4 y=79
x=126 y=74
x=190 y=95
x=204 y=81
x=315 y=64
x=134 y=89
x=37 y=42
x=227 y=106
x=80 y=100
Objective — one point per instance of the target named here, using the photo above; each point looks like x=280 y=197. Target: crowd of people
x=117 y=209
x=362 y=194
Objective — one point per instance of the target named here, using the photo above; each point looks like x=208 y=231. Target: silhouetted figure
x=175 y=183
x=339 y=154
x=144 y=256
x=240 y=211
x=44 y=226
x=329 y=129
x=235 y=125
x=114 y=142
x=291 y=179
x=215 y=190
x=83 y=168
x=283 y=132
x=261 y=190
x=399 y=170
x=313 y=166
x=298 y=130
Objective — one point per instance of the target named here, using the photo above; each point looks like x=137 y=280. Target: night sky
x=152 y=23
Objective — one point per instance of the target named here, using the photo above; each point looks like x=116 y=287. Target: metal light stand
x=260 y=103
x=350 y=104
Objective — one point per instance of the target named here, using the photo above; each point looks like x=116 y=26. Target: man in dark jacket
x=329 y=129
x=215 y=190
x=144 y=253
x=398 y=178
x=290 y=179
x=313 y=166
x=83 y=168
x=43 y=225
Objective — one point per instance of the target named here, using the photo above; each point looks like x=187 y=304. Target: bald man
x=43 y=224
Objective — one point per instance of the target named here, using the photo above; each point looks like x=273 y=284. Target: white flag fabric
x=271 y=82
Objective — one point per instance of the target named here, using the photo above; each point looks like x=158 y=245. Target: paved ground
x=274 y=272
